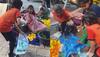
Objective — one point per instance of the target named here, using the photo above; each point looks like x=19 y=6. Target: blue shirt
x=96 y=9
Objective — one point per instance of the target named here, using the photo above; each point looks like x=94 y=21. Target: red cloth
x=91 y=34
x=61 y=18
x=94 y=33
x=98 y=52
x=8 y=19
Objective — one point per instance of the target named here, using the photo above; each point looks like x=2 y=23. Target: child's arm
x=19 y=30
x=91 y=38
x=75 y=13
x=56 y=17
x=92 y=46
x=92 y=49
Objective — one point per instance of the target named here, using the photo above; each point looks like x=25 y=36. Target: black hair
x=31 y=6
x=17 y=4
x=90 y=17
x=67 y=29
x=42 y=8
x=58 y=8
x=83 y=1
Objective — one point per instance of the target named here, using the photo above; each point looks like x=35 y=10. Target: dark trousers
x=11 y=37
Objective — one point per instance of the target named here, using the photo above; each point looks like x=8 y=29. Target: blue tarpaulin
x=70 y=45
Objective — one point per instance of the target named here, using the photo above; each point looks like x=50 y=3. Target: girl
x=32 y=22
x=6 y=24
x=44 y=11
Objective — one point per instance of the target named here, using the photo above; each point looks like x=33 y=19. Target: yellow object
x=46 y=22
x=54 y=48
x=31 y=36
x=97 y=2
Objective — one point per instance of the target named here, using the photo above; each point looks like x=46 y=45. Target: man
x=7 y=20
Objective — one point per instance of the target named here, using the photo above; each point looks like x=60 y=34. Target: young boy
x=94 y=35
x=93 y=31
x=94 y=24
x=6 y=24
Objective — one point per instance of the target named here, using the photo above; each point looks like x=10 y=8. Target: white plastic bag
x=56 y=35
x=22 y=45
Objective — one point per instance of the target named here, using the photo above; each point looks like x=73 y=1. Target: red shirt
x=8 y=19
x=94 y=33
x=61 y=18
x=91 y=34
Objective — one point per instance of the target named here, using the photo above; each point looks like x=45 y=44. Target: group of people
x=82 y=20
x=13 y=22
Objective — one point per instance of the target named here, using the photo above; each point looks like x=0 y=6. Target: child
x=32 y=22
x=70 y=42
x=60 y=14
x=89 y=6
x=43 y=12
x=6 y=24
x=93 y=33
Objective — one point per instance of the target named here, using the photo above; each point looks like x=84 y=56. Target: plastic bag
x=22 y=45
x=56 y=35
x=70 y=45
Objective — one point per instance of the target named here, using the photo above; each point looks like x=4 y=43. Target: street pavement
x=33 y=51
x=36 y=51
x=4 y=45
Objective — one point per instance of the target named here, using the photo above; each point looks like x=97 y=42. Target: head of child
x=58 y=9
x=30 y=9
x=17 y=4
x=85 y=3
x=42 y=9
x=66 y=29
x=43 y=3
x=91 y=18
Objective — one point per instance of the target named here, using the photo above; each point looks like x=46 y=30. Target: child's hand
x=90 y=54
x=78 y=15
x=21 y=32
